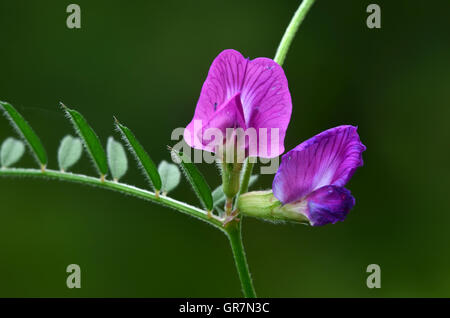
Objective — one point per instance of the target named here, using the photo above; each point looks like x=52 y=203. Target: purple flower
x=312 y=176
x=246 y=94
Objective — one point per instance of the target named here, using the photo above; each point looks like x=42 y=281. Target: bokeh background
x=145 y=62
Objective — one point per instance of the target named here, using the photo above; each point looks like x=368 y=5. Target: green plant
x=218 y=206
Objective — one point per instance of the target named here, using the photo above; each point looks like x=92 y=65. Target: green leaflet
x=196 y=179
x=26 y=133
x=90 y=140
x=69 y=152
x=117 y=159
x=170 y=176
x=143 y=159
x=11 y=151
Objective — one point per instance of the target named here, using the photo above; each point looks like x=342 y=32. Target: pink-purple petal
x=267 y=102
x=328 y=204
x=264 y=93
x=228 y=115
x=329 y=158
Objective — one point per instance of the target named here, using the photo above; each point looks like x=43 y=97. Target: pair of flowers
x=254 y=94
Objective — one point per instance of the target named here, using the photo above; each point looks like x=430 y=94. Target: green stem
x=118 y=187
x=235 y=236
x=248 y=169
x=291 y=30
x=246 y=177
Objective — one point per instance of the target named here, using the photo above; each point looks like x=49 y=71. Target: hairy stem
x=228 y=206
x=117 y=187
x=235 y=236
x=291 y=30
x=246 y=177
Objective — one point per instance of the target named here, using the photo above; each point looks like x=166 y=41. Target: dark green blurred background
x=145 y=62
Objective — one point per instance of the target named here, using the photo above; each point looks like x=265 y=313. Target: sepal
x=263 y=204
